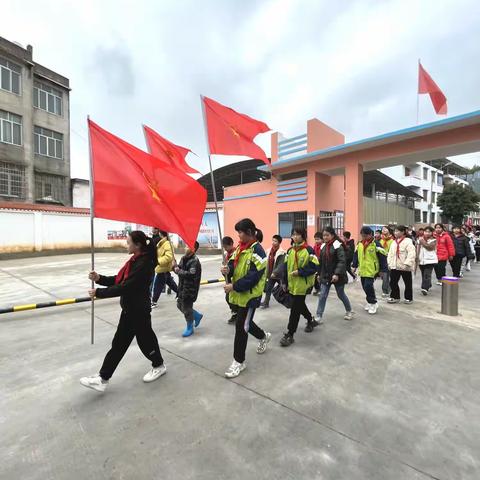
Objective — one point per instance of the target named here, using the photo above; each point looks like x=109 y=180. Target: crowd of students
x=390 y=254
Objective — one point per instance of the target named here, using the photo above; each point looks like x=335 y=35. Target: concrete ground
x=391 y=396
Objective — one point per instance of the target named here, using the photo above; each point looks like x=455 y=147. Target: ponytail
x=146 y=244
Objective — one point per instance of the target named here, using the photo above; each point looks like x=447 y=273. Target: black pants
x=170 y=281
x=427 y=276
x=441 y=269
x=456 y=264
x=349 y=269
x=369 y=289
x=133 y=324
x=299 y=307
x=243 y=327
x=477 y=253
x=268 y=289
x=407 y=280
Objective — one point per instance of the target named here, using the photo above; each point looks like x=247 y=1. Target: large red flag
x=232 y=133
x=427 y=85
x=133 y=186
x=167 y=151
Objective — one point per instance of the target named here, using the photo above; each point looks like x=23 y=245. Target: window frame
x=10 y=171
x=293 y=221
x=12 y=121
x=40 y=138
x=13 y=69
x=49 y=94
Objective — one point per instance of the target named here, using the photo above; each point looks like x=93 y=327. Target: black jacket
x=189 y=277
x=462 y=245
x=134 y=292
x=335 y=264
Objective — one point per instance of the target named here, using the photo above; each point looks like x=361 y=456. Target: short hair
x=430 y=229
x=378 y=231
x=389 y=228
x=163 y=233
x=227 y=241
x=301 y=231
x=318 y=235
x=366 y=231
x=347 y=234
x=440 y=225
x=401 y=228
x=278 y=238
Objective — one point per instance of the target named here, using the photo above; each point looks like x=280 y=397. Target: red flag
x=427 y=85
x=133 y=186
x=167 y=151
x=232 y=133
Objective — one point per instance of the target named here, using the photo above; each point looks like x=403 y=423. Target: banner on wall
x=208 y=234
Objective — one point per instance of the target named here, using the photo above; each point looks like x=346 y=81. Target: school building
x=316 y=179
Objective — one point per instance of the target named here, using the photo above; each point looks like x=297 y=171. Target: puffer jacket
x=402 y=255
x=189 y=277
x=334 y=263
x=462 y=245
x=164 y=256
x=445 y=247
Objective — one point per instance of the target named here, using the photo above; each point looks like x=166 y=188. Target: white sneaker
x=262 y=344
x=94 y=382
x=367 y=307
x=439 y=284
x=319 y=320
x=235 y=369
x=385 y=295
x=348 y=316
x=373 y=309
x=155 y=373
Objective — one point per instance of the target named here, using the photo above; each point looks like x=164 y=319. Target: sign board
x=208 y=234
x=310 y=220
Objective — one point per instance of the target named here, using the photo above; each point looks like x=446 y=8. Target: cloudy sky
x=350 y=63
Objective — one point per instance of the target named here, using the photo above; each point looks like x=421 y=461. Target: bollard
x=450 y=296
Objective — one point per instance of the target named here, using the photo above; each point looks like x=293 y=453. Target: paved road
x=391 y=396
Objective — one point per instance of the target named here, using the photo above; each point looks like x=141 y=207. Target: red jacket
x=445 y=247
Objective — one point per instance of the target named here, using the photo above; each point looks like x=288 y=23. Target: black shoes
x=308 y=327
x=286 y=340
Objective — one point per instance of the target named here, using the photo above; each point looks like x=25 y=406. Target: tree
x=456 y=202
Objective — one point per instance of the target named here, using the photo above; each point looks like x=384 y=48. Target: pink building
x=317 y=178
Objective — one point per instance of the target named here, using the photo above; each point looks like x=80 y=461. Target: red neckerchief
x=327 y=248
x=296 y=249
x=365 y=244
x=384 y=240
x=317 y=248
x=229 y=254
x=242 y=246
x=398 y=245
x=271 y=258
x=122 y=275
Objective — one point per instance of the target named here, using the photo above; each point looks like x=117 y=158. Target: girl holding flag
x=245 y=281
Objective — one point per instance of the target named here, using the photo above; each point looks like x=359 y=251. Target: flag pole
x=211 y=172
x=92 y=237
x=418 y=95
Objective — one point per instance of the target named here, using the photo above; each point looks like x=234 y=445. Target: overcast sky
x=350 y=63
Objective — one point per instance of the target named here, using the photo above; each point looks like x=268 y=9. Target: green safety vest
x=368 y=263
x=300 y=285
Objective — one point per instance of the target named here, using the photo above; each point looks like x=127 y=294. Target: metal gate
x=331 y=219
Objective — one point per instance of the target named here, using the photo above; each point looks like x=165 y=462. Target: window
x=418 y=215
x=425 y=195
x=433 y=177
x=439 y=179
x=407 y=171
x=425 y=173
x=10 y=128
x=288 y=220
x=47 y=98
x=48 y=143
x=424 y=215
x=10 y=76
x=434 y=197
x=292 y=176
x=432 y=217
x=12 y=180
x=49 y=188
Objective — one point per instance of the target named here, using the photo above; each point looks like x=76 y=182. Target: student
x=229 y=247
x=476 y=240
x=370 y=259
x=349 y=252
x=445 y=251
x=401 y=262
x=471 y=252
x=164 y=265
x=378 y=235
x=245 y=274
x=316 y=248
x=189 y=272
x=299 y=275
x=462 y=249
x=275 y=256
x=132 y=285
x=332 y=271
x=427 y=257
x=386 y=241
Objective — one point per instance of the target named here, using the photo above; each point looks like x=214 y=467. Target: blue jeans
x=323 y=295
x=158 y=283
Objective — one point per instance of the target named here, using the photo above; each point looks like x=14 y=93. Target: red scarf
x=317 y=248
x=398 y=245
x=242 y=246
x=365 y=244
x=122 y=275
x=385 y=240
x=327 y=249
x=296 y=249
x=271 y=258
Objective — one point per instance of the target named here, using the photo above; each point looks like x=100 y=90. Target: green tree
x=456 y=202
